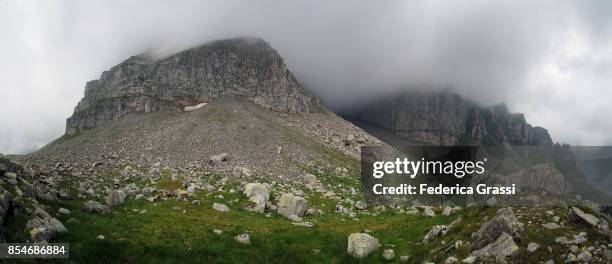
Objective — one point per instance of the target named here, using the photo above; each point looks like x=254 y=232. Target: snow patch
x=194 y=107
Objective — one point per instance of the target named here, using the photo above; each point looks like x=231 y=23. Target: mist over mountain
x=201 y=131
x=245 y=66
x=445 y=118
x=218 y=152
x=543 y=59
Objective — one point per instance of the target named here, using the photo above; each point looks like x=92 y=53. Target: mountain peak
x=244 y=66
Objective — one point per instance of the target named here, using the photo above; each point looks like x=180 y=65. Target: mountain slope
x=264 y=141
x=247 y=104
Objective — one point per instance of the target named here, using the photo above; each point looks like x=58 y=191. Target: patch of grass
x=169 y=184
x=65 y=138
x=175 y=231
x=329 y=176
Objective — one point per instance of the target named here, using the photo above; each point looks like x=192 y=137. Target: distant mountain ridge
x=245 y=66
x=444 y=118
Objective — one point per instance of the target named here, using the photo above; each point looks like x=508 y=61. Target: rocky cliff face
x=444 y=118
x=246 y=67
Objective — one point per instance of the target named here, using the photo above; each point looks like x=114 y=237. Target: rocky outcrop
x=43 y=229
x=575 y=214
x=505 y=222
x=444 y=118
x=246 y=67
x=19 y=200
x=502 y=247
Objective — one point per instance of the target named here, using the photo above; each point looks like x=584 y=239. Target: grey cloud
x=538 y=56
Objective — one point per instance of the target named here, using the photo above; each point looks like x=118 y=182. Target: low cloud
x=551 y=60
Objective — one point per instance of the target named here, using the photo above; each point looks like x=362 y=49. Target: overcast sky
x=551 y=60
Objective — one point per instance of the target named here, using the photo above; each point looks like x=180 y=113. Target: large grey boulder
x=599 y=224
x=244 y=239
x=435 y=231
x=504 y=222
x=361 y=245
x=290 y=204
x=532 y=247
x=258 y=194
x=220 y=207
x=577 y=215
x=502 y=247
x=44 y=229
